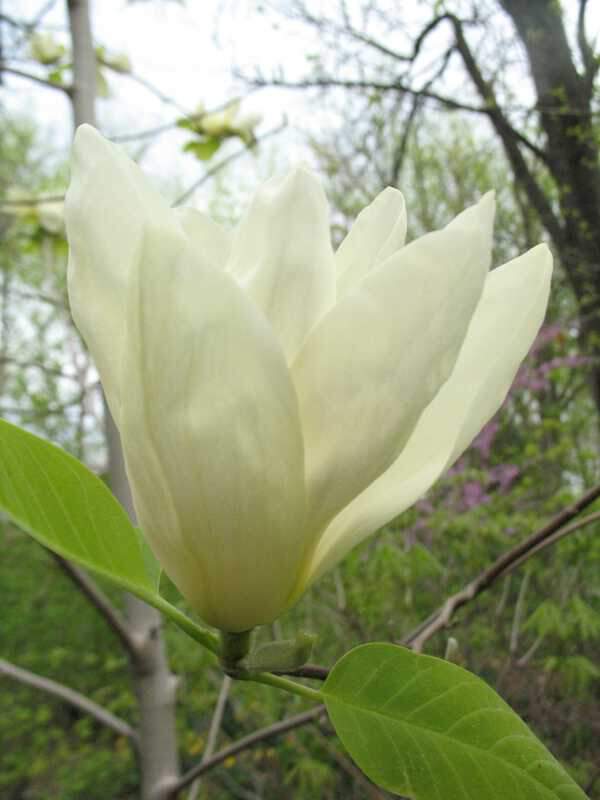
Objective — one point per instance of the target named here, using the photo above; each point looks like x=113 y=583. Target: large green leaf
x=70 y=510
x=66 y=507
x=429 y=730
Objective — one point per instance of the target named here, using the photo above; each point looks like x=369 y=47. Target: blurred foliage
x=535 y=636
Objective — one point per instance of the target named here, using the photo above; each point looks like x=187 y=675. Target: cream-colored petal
x=379 y=230
x=377 y=360
x=502 y=330
x=211 y=406
x=282 y=256
x=210 y=240
x=108 y=203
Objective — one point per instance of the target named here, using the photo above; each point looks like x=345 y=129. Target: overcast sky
x=186 y=51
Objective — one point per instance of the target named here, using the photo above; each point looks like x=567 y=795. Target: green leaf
x=67 y=508
x=151 y=565
x=282 y=655
x=430 y=730
x=203 y=150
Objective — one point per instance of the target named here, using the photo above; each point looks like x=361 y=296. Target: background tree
x=544 y=116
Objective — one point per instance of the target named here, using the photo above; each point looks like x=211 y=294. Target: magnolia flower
x=230 y=121
x=279 y=402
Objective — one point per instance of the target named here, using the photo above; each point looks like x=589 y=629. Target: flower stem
x=234 y=647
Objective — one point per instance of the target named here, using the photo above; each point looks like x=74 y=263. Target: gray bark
x=155 y=685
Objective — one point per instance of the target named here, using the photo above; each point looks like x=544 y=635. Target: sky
x=186 y=50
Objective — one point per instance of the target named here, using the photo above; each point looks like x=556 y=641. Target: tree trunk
x=564 y=102
x=155 y=686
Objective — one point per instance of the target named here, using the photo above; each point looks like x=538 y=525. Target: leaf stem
x=201 y=635
x=285 y=684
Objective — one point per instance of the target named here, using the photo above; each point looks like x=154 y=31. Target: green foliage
x=50 y=750
x=204 y=149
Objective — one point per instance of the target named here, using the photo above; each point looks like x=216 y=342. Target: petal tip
x=546 y=254
x=487 y=205
x=85 y=136
x=393 y=196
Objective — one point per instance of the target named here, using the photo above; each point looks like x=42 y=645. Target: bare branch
x=547 y=535
x=213 y=732
x=348 y=30
x=509 y=137
x=261 y=735
x=394 y=86
x=70 y=696
x=101 y=603
x=148 y=133
x=36 y=79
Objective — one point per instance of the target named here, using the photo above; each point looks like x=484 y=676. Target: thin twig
x=224 y=163
x=32 y=201
x=148 y=133
x=36 y=79
x=262 y=735
x=70 y=696
x=314 y=671
x=100 y=602
x=213 y=731
x=550 y=533
x=382 y=86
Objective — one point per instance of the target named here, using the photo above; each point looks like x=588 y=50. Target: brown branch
x=547 y=535
x=101 y=603
x=262 y=735
x=70 y=696
x=396 y=86
x=508 y=136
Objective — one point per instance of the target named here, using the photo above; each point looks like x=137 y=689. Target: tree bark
x=573 y=157
x=155 y=686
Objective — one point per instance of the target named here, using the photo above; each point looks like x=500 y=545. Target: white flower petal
x=211 y=241
x=379 y=230
x=502 y=330
x=379 y=357
x=108 y=203
x=282 y=256
x=211 y=407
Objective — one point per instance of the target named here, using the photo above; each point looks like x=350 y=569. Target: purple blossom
x=473 y=494
x=485 y=439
